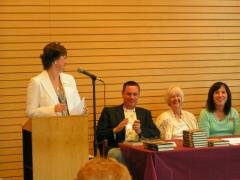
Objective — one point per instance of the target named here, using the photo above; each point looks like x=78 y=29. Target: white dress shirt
x=131 y=134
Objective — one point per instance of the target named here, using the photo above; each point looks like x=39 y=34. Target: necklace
x=220 y=115
x=56 y=82
x=178 y=116
x=57 y=88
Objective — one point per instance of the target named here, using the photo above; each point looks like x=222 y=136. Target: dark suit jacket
x=112 y=116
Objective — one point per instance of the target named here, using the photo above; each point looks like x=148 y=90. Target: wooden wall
x=157 y=43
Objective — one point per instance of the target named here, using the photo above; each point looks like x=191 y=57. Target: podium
x=58 y=146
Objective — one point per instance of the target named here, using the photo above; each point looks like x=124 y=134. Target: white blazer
x=42 y=98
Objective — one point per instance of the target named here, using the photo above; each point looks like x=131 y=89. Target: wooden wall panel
x=157 y=43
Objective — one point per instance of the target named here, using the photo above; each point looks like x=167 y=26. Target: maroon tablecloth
x=211 y=163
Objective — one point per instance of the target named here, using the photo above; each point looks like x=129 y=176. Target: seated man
x=125 y=122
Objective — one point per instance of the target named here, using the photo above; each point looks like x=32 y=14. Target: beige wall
x=157 y=43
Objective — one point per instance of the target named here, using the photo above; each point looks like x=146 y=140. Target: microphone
x=83 y=71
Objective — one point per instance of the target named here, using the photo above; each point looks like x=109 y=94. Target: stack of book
x=159 y=145
x=218 y=142
x=195 y=138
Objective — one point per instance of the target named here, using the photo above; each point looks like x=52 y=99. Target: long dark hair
x=210 y=102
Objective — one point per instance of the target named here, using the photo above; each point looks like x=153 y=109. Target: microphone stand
x=94 y=78
x=94 y=116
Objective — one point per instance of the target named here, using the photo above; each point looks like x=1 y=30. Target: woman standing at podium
x=52 y=92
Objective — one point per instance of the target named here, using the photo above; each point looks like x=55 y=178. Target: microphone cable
x=104 y=92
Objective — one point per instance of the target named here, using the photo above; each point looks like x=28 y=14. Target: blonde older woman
x=172 y=122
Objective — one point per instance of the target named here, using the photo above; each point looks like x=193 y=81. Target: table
x=208 y=163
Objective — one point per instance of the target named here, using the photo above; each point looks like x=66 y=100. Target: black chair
x=103 y=148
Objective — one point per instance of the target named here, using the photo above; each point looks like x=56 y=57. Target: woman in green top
x=219 y=118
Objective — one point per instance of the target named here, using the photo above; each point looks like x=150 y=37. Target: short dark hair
x=130 y=83
x=210 y=102
x=52 y=52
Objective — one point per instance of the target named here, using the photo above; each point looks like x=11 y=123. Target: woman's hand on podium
x=59 y=107
x=85 y=108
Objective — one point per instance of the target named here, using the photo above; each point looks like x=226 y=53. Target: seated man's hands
x=137 y=126
x=120 y=126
